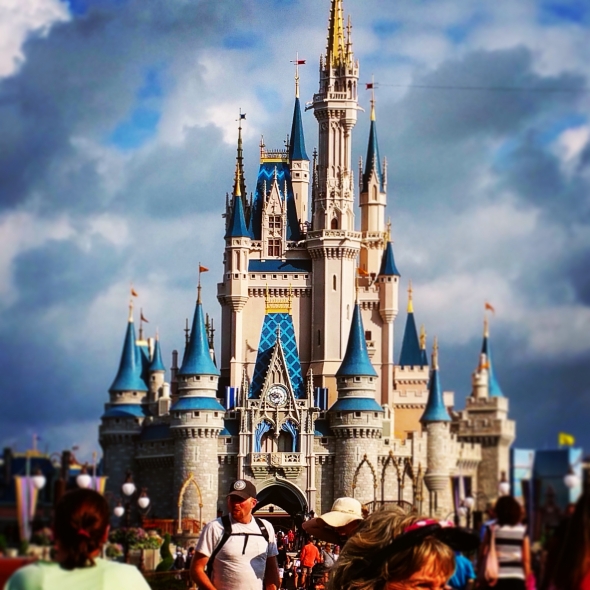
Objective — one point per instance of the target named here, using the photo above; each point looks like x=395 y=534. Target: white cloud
x=20 y=18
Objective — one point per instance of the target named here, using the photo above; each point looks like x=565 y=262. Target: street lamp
x=84 y=479
x=571 y=480
x=38 y=480
x=504 y=485
x=118 y=511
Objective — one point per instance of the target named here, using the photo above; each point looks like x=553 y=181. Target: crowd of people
x=343 y=549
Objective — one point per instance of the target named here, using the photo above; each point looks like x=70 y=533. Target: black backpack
x=227 y=533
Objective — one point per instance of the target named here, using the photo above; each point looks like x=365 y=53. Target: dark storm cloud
x=84 y=79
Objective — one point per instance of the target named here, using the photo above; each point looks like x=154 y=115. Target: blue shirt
x=463 y=572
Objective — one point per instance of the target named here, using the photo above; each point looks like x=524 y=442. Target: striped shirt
x=509 y=550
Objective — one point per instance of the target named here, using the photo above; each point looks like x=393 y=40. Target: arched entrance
x=285 y=495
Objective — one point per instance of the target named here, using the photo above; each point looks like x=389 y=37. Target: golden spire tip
x=410 y=302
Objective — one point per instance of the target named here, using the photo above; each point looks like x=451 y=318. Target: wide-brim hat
x=344 y=511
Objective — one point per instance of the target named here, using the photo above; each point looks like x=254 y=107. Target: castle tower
x=373 y=199
x=410 y=377
x=125 y=412
x=235 y=292
x=388 y=281
x=356 y=419
x=485 y=421
x=436 y=422
x=333 y=245
x=298 y=160
x=196 y=421
x=335 y=107
x=156 y=371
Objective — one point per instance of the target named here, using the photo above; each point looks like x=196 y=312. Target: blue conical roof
x=373 y=161
x=197 y=360
x=494 y=389
x=411 y=354
x=157 y=364
x=388 y=268
x=129 y=375
x=297 y=144
x=435 y=410
x=356 y=360
x=237 y=227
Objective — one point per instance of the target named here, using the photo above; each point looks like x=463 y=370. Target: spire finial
x=388 y=231
x=373 y=118
x=410 y=302
x=336 y=50
x=486 y=327
x=237 y=188
x=298 y=62
x=435 y=354
x=131 y=310
x=239 y=179
x=422 y=337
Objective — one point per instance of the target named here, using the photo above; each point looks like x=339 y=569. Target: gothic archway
x=283 y=494
x=190 y=479
x=365 y=461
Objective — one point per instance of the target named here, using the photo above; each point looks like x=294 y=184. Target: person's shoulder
x=267 y=525
x=29 y=577
x=122 y=575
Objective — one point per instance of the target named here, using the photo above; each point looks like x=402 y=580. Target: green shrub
x=167 y=559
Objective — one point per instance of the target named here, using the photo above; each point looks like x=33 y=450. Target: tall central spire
x=336 y=49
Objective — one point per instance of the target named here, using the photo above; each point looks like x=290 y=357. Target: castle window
x=295 y=276
x=357 y=414
x=285 y=276
x=216 y=414
x=334 y=224
x=263 y=276
x=338 y=414
x=368 y=335
x=334 y=282
x=274 y=247
x=376 y=415
x=386 y=441
x=274 y=223
x=374 y=191
x=252 y=276
x=274 y=276
x=324 y=441
x=196 y=414
x=228 y=441
x=357 y=379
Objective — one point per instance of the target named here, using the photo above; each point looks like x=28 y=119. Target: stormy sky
x=117 y=146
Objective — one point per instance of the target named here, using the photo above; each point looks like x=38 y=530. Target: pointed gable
x=266 y=349
x=356 y=360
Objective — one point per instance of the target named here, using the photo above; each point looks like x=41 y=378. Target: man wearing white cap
x=337 y=525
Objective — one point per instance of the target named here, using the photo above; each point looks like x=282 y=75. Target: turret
x=157 y=371
x=356 y=415
x=298 y=160
x=196 y=421
x=388 y=283
x=436 y=422
x=411 y=355
x=494 y=389
x=373 y=200
x=125 y=412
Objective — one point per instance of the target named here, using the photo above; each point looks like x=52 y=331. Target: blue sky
x=118 y=147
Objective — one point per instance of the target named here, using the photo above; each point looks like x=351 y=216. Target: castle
x=305 y=398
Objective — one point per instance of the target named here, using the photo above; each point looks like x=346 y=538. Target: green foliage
x=167 y=559
x=23 y=548
x=134 y=538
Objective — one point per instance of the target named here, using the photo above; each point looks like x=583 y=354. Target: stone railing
x=334 y=233
x=275 y=459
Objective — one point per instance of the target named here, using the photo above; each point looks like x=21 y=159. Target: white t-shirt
x=241 y=562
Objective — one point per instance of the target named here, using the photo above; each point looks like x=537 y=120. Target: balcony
x=264 y=464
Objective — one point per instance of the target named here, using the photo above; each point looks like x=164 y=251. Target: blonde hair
x=377 y=531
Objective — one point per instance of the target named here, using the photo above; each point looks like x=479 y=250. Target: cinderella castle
x=306 y=398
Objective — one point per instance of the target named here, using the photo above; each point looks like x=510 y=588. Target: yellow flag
x=565 y=440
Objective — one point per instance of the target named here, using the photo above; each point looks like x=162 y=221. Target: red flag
x=370 y=85
x=142 y=317
x=490 y=307
x=134 y=292
x=300 y=62
x=203 y=268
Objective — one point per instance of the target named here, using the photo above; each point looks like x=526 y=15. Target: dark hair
x=80 y=523
x=508 y=511
x=573 y=561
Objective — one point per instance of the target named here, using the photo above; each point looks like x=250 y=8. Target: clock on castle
x=305 y=397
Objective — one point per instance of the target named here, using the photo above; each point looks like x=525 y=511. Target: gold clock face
x=277 y=395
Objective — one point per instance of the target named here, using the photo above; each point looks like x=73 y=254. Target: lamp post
x=130 y=491
x=468 y=504
x=504 y=485
x=26 y=488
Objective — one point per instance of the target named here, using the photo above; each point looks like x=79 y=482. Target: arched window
x=237 y=260
x=374 y=193
x=334 y=282
x=334 y=224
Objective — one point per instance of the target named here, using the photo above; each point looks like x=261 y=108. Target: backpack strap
x=225 y=521
x=262 y=528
